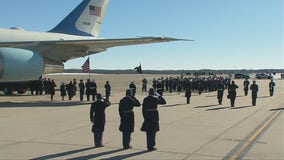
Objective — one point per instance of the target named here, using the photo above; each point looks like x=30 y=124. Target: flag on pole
x=86 y=66
x=138 y=69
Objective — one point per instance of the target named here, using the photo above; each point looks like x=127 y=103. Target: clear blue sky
x=228 y=34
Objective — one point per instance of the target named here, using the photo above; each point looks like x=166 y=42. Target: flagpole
x=89 y=68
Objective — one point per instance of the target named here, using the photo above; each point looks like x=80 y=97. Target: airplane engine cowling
x=20 y=65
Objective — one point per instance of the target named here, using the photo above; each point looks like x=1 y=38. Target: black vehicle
x=241 y=76
x=10 y=87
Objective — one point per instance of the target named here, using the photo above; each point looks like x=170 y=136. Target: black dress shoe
x=127 y=147
x=152 y=149
x=98 y=146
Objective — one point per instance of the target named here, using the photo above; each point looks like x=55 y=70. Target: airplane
x=26 y=55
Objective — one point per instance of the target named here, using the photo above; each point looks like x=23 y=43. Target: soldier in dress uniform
x=126 y=113
x=82 y=89
x=132 y=86
x=271 y=87
x=188 y=93
x=254 y=90
x=51 y=89
x=107 y=89
x=70 y=90
x=88 y=89
x=151 y=117
x=93 y=87
x=232 y=93
x=62 y=90
x=98 y=118
x=246 y=86
x=220 y=92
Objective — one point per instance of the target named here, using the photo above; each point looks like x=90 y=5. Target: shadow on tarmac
x=212 y=105
x=243 y=107
x=92 y=156
x=57 y=155
x=173 y=105
x=277 y=109
x=42 y=104
x=219 y=108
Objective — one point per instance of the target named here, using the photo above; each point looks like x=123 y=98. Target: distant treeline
x=185 y=72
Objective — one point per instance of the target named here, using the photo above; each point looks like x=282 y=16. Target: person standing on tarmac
x=52 y=89
x=271 y=87
x=188 y=94
x=132 y=86
x=126 y=113
x=88 y=89
x=254 y=90
x=62 y=90
x=220 y=92
x=107 y=89
x=82 y=89
x=246 y=86
x=232 y=93
x=151 y=117
x=98 y=118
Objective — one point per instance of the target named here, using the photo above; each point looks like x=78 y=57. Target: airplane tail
x=84 y=20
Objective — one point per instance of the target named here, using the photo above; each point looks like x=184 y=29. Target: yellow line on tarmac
x=253 y=137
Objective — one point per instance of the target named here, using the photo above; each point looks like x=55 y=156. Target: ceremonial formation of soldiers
x=150 y=103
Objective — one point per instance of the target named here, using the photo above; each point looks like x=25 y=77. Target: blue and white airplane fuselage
x=26 y=55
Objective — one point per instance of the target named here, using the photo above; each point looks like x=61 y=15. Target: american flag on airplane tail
x=95 y=11
x=86 y=66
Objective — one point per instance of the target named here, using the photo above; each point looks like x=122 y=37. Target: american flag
x=95 y=11
x=86 y=66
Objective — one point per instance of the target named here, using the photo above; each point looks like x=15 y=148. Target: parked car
x=263 y=76
x=241 y=75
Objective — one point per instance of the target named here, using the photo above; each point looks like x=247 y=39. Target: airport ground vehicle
x=10 y=87
x=263 y=76
x=241 y=75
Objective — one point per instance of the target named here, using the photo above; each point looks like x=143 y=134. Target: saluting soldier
x=126 y=113
x=98 y=118
x=232 y=93
x=151 y=117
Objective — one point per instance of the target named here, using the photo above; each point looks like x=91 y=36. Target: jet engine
x=20 y=65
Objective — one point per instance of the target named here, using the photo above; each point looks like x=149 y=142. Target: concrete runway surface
x=33 y=127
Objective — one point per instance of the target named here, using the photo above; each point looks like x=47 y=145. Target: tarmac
x=33 y=127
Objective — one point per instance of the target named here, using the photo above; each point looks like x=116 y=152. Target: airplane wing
x=69 y=49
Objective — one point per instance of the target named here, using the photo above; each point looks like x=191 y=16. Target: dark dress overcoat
x=151 y=114
x=97 y=115
x=126 y=113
